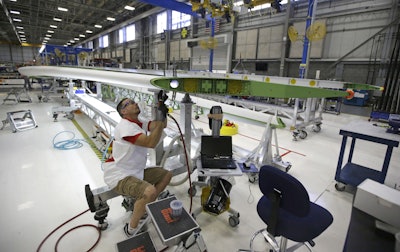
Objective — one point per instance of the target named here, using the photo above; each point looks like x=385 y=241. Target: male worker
x=125 y=172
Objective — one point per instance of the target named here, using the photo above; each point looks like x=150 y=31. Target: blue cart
x=353 y=174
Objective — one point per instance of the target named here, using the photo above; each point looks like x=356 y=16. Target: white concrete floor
x=43 y=187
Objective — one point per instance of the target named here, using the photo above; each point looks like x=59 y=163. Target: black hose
x=187 y=162
x=85 y=225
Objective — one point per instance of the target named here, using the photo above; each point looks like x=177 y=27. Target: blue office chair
x=286 y=209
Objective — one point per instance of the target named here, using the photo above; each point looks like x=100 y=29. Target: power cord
x=59 y=239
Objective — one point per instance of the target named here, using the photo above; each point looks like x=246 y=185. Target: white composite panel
x=117 y=78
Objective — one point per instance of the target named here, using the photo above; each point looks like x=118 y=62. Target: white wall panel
x=200 y=59
x=160 y=52
x=348 y=32
x=269 y=42
x=246 y=44
x=128 y=55
x=179 y=50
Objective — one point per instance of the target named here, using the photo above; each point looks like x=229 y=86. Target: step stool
x=20 y=120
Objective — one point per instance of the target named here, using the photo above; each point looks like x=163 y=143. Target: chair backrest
x=294 y=197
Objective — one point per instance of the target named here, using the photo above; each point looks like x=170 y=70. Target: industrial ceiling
x=70 y=22
x=62 y=21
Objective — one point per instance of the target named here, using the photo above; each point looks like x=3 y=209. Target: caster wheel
x=103 y=226
x=316 y=128
x=234 y=221
x=252 y=179
x=303 y=134
x=340 y=187
x=196 y=117
x=192 y=191
x=70 y=116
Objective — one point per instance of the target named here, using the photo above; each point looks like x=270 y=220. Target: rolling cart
x=354 y=174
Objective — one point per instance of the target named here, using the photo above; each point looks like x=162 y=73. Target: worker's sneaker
x=164 y=194
x=129 y=232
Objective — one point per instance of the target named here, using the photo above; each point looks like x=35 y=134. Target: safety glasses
x=128 y=101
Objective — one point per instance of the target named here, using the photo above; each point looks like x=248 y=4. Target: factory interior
x=303 y=94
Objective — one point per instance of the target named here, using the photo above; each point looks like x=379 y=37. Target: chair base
x=273 y=243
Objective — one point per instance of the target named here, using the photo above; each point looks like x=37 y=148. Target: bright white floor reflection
x=42 y=187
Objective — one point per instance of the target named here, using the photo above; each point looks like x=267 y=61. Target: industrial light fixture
x=82 y=36
x=174 y=83
x=50 y=31
x=77 y=39
x=57 y=19
x=89 y=31
x=130 y=8
x=21 y=32
x=15 y=12
x=110 y=19
x=17 y=20
x=62 y=9
x=19 y=27
x=42 y=48
x=53 y=26
x=48 y=35
x=98 y=26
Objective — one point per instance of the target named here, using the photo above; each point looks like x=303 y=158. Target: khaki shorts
x=134 y=187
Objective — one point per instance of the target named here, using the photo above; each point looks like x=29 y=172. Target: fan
x=316 y=31
x=210 y=43
x=293 y=34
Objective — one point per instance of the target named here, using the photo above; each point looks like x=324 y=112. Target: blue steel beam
x=304 y=60
x=172 y=5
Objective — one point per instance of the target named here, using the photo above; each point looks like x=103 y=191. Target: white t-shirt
x=129 y=159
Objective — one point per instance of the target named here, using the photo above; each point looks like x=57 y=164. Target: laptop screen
x=212 y=146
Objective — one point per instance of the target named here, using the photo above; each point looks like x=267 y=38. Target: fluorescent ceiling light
x=89 y=31
x=21 y=32
x=62 y=9
x=77 y=39
x=15 y=12
x=17 y=20
x=46 y=38
x=48 y=35
x=53 y=26
x=22 y=36
x=110 y=19
x=57 y=19
x=130 y=8
x=72 y=41
x=82 y=36
x=50 y=31
x=98 y=26
x=19 y=27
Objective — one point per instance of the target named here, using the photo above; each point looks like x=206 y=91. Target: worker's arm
x=151 y=141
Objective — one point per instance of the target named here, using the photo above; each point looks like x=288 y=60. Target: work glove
x=162 y=108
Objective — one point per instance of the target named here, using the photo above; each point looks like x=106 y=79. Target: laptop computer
x=216 y=152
